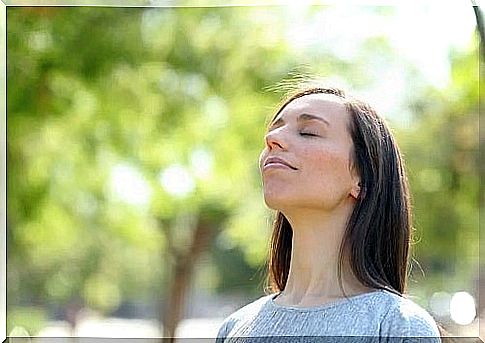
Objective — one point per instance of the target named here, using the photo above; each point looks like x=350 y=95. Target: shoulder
x=250 y=309
x=405 y=318
x=242 y=314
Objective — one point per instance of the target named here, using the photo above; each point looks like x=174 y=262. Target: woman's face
x=306 y=160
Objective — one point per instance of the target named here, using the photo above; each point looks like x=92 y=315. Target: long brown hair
x=378 y=231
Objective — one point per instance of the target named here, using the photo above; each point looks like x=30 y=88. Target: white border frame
x=138 y=3
x=3 y=170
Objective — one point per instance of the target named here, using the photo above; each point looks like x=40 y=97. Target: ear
x=355 y=191
x=356 y=183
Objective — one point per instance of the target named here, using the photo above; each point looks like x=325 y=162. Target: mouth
x=276 y=162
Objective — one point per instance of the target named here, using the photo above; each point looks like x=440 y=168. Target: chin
x=276 y=202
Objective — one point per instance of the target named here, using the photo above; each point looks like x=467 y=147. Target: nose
x=275 y=139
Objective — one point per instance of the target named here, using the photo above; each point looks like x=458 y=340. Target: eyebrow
x=302 y=117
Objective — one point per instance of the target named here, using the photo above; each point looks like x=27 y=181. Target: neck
x=313 y=276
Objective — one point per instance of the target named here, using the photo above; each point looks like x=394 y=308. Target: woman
x=339 y=249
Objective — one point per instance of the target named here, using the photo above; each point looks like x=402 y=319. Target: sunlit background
x=134 y=198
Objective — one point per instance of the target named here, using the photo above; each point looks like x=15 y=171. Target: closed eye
x=308 y=134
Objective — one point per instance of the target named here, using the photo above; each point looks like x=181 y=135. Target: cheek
x=329 y=168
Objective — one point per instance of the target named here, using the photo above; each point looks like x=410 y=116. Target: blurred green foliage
x=24 y=320
x=99 y=97
x=441 y=149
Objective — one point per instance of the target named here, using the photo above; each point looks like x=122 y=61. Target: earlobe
x=355 y=191
x=355 y=180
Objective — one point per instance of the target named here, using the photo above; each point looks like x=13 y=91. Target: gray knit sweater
x=377 y=316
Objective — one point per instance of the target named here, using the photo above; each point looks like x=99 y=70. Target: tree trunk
x=72 y=315
x=180 y=278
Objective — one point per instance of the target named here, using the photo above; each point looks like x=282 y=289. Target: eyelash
x=309 y=134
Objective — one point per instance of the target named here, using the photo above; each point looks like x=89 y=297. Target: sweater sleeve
x=407 y=323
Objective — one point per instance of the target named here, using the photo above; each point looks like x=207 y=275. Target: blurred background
x=133 y=135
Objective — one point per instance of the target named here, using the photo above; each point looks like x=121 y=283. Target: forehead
x=327 y=106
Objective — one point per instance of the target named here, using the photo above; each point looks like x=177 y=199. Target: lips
x=277 y=161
